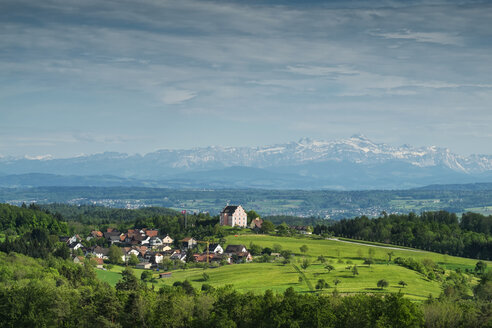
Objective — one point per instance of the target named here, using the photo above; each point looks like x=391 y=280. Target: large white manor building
x=233 y=216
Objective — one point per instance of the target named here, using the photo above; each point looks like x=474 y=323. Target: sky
x=83 y=77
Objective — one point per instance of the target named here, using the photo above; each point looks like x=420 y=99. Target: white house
x=215 y=248
x=178 y=256
x=233 y=216
x=188 y=242
x=144 y=265
x=157 y=258
x=155 y=241
x=75 y=246
x=100 y=252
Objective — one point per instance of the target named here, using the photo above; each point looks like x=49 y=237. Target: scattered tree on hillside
x=305 y=264
x=255 y=249
x=321 y=259
x=304 y=249
x=321 y=284
x=282 y=229
x=480 y=267
x=146 y=275
x=382 y=283
x=329 y=267
x=355 y=271
x=277 y=248
x=336 y=281
x=267 y=227
x=402 y=283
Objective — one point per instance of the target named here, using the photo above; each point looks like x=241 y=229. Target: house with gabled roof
x=143 y=265
x=161 y=248
x=244 y=257
x=233 y=216
x=95 y=234
x=78 y=259
x=74 y=246
x=215 y=248
x=100 y=252
x=155 y=241
x=256 y=224
x=98 y=262
x=233 y=249
x=178 y=255
x=188 y=242
x=167 y=240
x=114 y=239
x=151 y=232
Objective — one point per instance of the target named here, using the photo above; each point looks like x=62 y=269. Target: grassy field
x=258 y=277
x=339 y=249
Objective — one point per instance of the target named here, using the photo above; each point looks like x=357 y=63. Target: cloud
x=429 y=37
x=174 y=96
x=322 y=70
x=358 y=83
x=247 y=61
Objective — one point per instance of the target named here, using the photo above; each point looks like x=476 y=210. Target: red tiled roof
x=152 y=233
x=96 y=233
x=98 y=260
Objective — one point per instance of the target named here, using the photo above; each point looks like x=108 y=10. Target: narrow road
x=379 y=246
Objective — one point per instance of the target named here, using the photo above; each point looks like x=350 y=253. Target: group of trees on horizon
x=441 y=232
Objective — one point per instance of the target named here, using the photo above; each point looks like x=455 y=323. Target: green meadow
x=353 y=249
x=258 y=277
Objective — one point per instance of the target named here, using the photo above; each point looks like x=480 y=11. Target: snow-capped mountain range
x=352 y=163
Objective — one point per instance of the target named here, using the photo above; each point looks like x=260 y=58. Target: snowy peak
x=357 y=149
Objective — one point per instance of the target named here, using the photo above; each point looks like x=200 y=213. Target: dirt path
x=370 y=245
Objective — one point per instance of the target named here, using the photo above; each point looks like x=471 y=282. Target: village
x=156 y=250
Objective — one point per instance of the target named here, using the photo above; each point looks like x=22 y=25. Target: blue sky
x=80 y=77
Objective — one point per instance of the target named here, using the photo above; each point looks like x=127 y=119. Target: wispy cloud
x=429 y=37
x=322 y=70
x=174 y=96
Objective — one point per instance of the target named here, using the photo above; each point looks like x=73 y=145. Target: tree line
x=439 y=231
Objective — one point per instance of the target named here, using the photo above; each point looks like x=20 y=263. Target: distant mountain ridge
x=352 y=163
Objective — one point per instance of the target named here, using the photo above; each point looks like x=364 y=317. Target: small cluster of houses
x=151 y=249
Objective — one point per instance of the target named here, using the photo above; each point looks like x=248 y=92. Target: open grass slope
x=258 y=277
x=346 y=250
